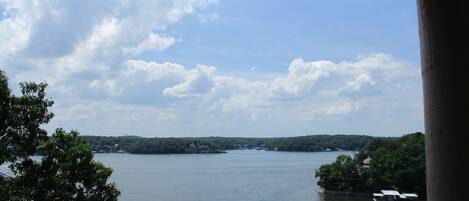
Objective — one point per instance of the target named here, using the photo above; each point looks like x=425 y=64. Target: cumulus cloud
x=196 y=82
x=302 y=76
x=152 y=42
x=90 y=54
x=360 y=81
x=15 y=26
x=352 y=81
x=153 y=70
x=202 y=96
x=57 y=40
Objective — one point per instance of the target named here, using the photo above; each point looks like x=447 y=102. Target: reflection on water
x=330 y=197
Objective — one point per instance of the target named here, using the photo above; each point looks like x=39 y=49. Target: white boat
x=392 y=195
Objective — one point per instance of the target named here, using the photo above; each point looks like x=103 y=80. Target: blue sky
x=224 y=68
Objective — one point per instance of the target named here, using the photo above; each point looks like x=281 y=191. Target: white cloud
x=359 y=82
x=56 y=42
x=339 y=108
x=353 y=81
x=201 y=97
x=108 y=86
x=92 y=52
x=92 y=61
x=153 y=42
x=302 y=76
x=233 y=94
x=15 y=28
x=196 y=82
x=153 y=70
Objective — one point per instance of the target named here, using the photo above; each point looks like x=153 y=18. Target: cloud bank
x=90 y=54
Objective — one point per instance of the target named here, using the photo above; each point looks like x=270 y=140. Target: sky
x=219 y=68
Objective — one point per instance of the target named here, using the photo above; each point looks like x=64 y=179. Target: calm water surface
x=245 y=175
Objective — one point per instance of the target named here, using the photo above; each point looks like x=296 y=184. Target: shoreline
x=343 y=193
x=223 y=152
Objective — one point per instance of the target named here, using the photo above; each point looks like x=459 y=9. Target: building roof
x=390 y=192
x=410 y=195
x=367 y=161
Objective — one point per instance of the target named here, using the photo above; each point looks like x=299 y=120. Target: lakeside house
x=366 y=163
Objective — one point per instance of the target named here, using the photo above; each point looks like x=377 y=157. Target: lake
x=241 y=175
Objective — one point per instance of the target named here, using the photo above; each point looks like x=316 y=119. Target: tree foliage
x=395 y=164
x=64 y=171
x=342 y=175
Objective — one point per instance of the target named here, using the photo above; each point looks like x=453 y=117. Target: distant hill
x=309 y=143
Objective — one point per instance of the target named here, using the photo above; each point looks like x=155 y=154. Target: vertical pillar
x=444 y=41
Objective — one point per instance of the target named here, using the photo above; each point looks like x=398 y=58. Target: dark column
x=444 y=40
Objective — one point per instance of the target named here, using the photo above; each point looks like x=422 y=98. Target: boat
x=393 y=195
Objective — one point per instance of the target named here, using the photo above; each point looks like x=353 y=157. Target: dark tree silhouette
x=64 y=171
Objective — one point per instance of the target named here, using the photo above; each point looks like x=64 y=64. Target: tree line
x=157 y=145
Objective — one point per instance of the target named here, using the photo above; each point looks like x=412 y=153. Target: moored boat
x=392 y=195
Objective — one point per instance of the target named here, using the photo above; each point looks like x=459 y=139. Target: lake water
x=244 y=175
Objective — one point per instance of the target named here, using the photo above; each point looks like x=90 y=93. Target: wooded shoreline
x=309 y=143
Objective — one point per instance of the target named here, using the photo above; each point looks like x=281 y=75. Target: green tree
x=341 y=175
x=66 y=170
x=396 y=163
